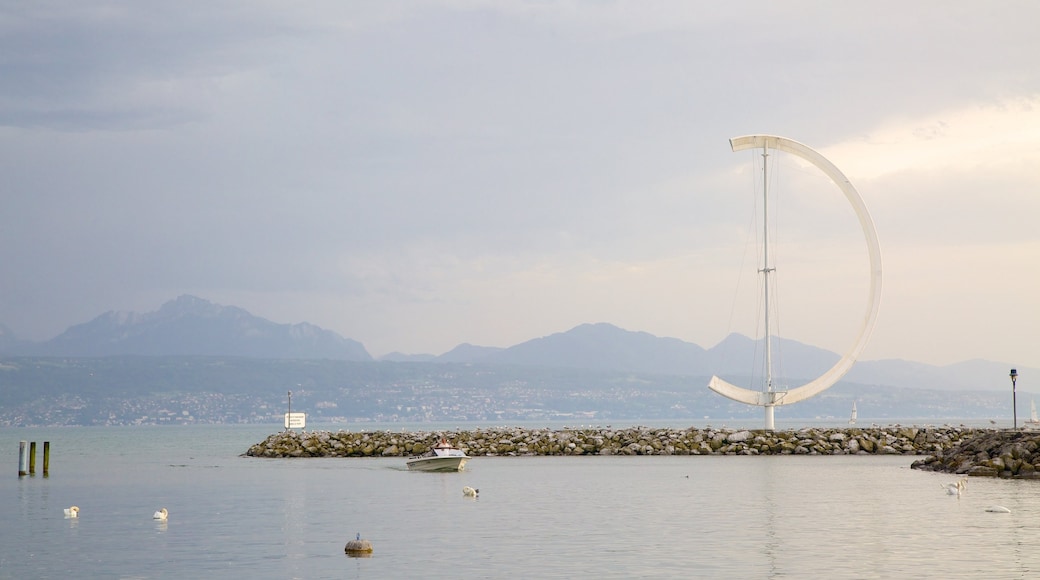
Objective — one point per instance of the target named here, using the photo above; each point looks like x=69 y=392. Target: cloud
x=419 y=174
x=994 y=136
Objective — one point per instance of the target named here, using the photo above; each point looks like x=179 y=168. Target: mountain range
x=192 y=326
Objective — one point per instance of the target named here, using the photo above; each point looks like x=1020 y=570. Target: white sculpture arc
x=827 y=379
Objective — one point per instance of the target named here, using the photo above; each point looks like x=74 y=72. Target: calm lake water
x=536 y=517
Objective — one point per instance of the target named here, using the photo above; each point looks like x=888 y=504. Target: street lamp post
x=1014 y=404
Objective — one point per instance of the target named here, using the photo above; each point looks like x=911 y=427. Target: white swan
x=469 y=491
x=72 y=512
x=998 y=509
x=160 y=515
x=955 y=488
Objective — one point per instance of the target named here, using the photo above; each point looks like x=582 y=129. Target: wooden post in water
x=23 y=458
x=32 y=458
x=46 y=457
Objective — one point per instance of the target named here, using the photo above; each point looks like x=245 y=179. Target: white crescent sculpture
x=770 y=399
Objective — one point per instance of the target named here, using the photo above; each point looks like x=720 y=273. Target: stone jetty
x=516 y=441
x=991 y=453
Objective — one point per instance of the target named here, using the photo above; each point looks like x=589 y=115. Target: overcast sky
x=415 y=175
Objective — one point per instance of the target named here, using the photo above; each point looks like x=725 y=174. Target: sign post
x=295 y=420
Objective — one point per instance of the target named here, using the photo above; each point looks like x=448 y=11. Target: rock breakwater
x=991 y=453
x=515 y=441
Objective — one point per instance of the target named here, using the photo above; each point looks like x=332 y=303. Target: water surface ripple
x=544 y=517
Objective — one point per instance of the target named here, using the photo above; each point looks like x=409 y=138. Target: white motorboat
x=443 y=457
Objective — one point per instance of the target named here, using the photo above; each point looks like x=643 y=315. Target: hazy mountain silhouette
x=606 y=347
x=190 y=326
x=403 y=357
x=466 y=352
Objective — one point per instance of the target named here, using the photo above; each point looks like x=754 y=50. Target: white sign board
x=295 y=420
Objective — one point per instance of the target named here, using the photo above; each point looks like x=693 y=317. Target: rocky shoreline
x=991 y=453
x=935 y=442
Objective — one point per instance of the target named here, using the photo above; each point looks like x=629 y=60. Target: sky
x=417 y=175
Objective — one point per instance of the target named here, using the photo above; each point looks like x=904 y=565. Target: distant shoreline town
x=118 y=391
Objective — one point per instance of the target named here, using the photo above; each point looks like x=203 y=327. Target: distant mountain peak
x=468 y=353
x=189 y=325
x=603 y=346
x=185 y=302
x=188 y=305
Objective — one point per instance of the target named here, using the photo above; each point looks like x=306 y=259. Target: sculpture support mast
x=766 y=271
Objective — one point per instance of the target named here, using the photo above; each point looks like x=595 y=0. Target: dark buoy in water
x=358 y=548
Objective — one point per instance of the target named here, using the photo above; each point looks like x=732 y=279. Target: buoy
x=358 y=547
x=998 y=509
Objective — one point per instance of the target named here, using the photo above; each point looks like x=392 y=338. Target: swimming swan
x=955 y=488
x=998 y=509
x=72 y=512
x=160 y=515
x=470 y=492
